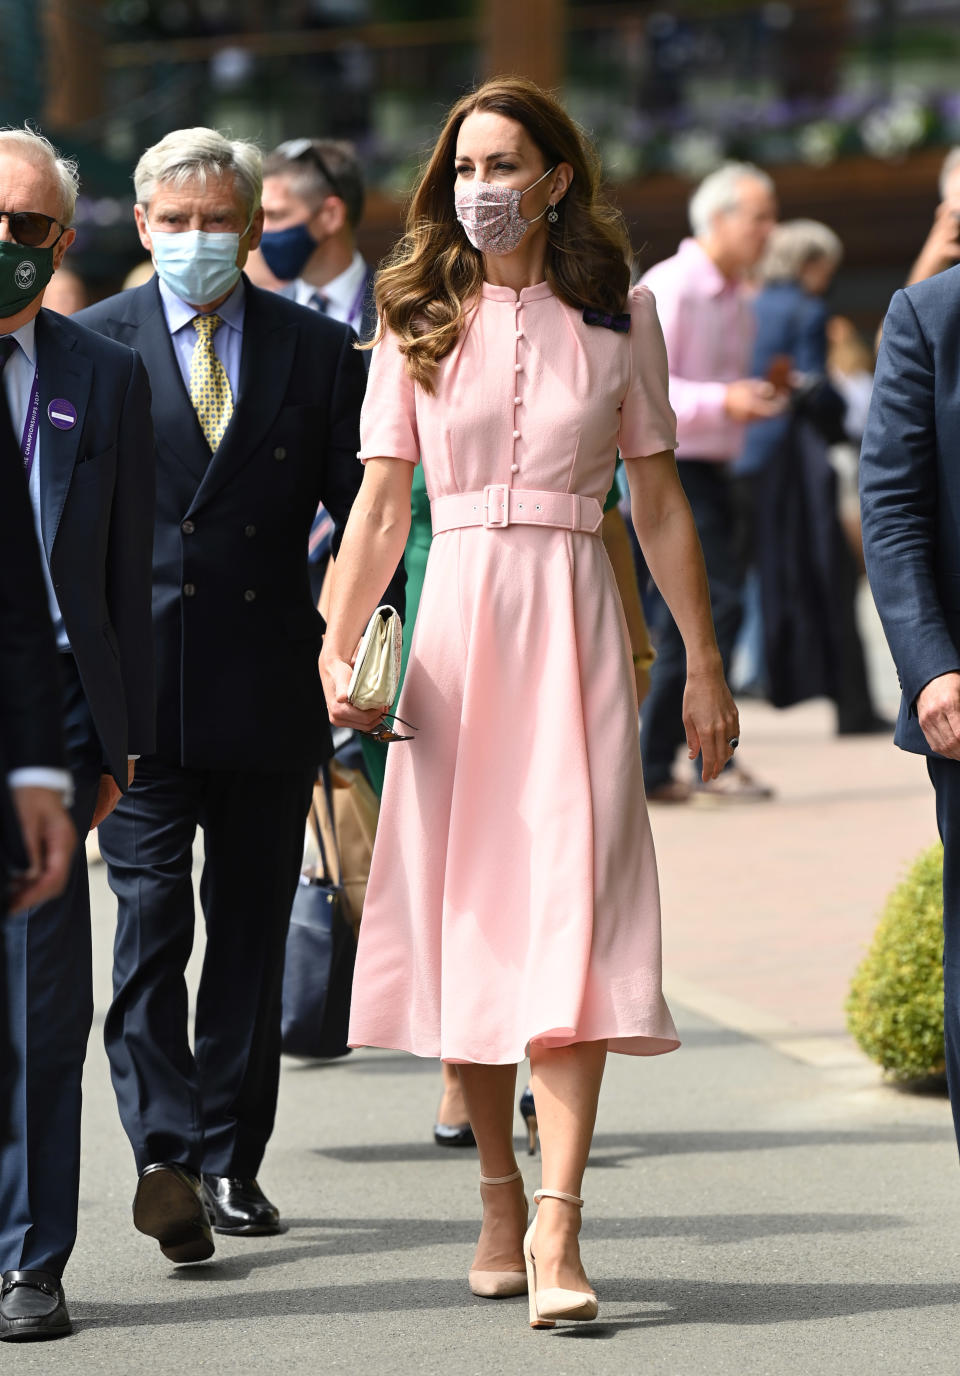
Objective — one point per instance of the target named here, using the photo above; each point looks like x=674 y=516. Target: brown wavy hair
x=434 y=274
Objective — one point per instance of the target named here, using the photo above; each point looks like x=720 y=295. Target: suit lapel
x=368 y=321
x=266 y=359
x=67 y=375
x=175 y=423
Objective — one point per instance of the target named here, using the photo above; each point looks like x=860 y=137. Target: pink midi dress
x=513 y=894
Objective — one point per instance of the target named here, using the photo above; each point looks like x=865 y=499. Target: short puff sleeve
x=647 y=422
x=388 y=420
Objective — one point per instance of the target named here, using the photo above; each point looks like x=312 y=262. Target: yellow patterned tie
x=209 y=385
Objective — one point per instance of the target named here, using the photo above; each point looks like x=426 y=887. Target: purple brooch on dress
x=620 y=323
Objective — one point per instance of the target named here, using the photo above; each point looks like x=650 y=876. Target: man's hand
x=108 y=795
x=753 y=399
x=50 y=840
x=938 y=709
x=942 y=247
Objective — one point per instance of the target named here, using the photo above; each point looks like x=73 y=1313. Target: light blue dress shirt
x=227 y=342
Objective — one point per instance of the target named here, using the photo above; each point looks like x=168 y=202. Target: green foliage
x=895 y=1006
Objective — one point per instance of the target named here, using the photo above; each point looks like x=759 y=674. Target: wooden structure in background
x=526 y=37
x=882 y=212
x=74 y=51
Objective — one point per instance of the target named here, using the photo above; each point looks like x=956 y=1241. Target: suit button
x=249 y=595
x=189 y=589
x=249 y=531
x=279 y=453
x=188 y=527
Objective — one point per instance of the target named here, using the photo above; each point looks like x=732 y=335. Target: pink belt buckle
x=502 y=492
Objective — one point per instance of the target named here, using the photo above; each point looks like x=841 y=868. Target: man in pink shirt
x=707 y=318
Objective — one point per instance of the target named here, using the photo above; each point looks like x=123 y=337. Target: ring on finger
x=733 y=742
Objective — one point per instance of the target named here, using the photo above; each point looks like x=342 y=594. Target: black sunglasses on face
x=30 y=228
x=295 y=149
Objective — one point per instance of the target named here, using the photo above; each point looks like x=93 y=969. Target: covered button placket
x=517 y=391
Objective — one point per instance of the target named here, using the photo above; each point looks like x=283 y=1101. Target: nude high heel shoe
x=547 y=1306
x=497 y=1285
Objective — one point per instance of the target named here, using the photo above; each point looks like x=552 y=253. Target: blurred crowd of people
x=166 y=596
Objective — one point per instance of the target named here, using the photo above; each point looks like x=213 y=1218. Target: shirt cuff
x=39 y=776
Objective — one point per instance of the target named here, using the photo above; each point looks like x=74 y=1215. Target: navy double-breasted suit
x=241 y=725
x=910 y=504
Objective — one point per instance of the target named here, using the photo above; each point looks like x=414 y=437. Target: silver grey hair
x=950 y=164
x=720 y=191
x=33 y=147
x=188 y=155
x=795 y=243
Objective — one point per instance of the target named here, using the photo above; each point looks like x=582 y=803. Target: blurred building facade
x=849 y=103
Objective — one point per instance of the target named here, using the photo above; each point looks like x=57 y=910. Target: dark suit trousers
x=49 y=992
x=709 y=492
x=212 y=1108
x=945 y=776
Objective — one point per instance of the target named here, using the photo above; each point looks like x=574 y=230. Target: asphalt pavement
x=757 y=1202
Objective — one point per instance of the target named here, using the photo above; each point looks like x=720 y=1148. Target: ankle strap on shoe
x=500 y=1179
x=557 y=1194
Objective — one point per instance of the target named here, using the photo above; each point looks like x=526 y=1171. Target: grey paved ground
x=746 y=1213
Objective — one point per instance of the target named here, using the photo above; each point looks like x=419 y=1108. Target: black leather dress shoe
x=32 y=1307
x=169 y=1206
x=239 y=1207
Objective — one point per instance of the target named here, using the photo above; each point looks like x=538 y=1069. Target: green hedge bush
x=895 y=1006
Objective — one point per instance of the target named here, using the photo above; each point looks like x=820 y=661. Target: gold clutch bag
x=376 y=669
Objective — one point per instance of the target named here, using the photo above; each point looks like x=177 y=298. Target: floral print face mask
x=490 y=214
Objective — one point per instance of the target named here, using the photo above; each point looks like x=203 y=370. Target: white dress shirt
x=344 y=293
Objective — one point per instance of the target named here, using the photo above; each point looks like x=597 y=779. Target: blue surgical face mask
x=285 y=251
x=196 y=266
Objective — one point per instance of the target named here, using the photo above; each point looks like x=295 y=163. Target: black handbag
x=321 y=949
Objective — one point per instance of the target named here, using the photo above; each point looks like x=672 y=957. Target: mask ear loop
x=547 y=207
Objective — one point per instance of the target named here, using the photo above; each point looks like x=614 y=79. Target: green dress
x=415 y=563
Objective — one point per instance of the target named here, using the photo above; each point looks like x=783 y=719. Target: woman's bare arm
x=372 y=547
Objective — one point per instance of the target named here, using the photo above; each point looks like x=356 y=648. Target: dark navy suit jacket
x=910 y=490
x=790 y=322
x=237 y=634
x=97 y=491
x=30 y=725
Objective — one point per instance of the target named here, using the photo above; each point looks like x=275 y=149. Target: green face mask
x=24 y=272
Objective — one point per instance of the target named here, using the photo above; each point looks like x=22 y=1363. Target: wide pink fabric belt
x=497 y=506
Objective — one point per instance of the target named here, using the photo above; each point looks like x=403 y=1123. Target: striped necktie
x=319 y=302
x=209 y=385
